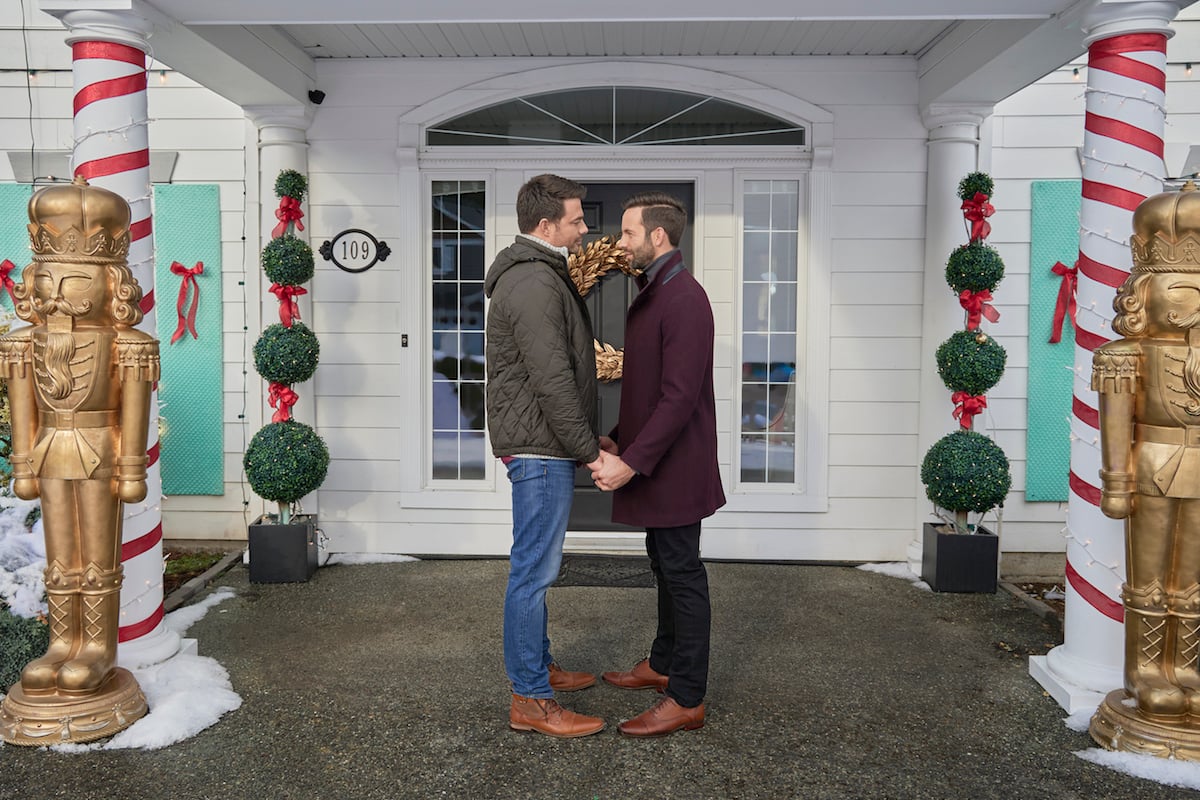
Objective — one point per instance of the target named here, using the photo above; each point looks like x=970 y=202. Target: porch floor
x=387 y=681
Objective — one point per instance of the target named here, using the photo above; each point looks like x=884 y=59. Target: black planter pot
x=283 y=553
x=959 y=562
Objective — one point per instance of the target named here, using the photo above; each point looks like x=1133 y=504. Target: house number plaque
x=355 y=250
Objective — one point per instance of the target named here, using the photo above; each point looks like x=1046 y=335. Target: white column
x=953 y=154
x=112 y=151
x=1123 y=164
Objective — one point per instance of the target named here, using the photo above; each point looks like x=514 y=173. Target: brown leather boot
x=640 y=677
x=562 y=680
x=548 y=717
x=665 y=716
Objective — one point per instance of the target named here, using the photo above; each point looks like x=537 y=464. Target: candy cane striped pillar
x=112 y=150
x=1123 y=164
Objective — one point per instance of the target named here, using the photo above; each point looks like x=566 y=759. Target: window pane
x=770 y=323
x=457 y=441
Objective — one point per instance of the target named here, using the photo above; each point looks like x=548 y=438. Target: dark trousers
x=680 y=649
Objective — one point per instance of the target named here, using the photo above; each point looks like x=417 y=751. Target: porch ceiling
x=976 y=51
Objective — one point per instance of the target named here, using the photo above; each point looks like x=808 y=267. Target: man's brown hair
x=542 y=198
x=660 y=210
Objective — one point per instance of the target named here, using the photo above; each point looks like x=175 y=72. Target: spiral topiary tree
x=966 y=472
x=286 y=459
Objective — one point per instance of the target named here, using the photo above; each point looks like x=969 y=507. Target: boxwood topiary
x=288 y=260
x=287 y=355
x=966 y=471
x=974 y=267
x=975 y=183
x=290 y=183
x=971 y=362
x=285 y=461
x=23 y=640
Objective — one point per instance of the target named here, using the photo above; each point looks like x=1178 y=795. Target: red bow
x=282 y=394
x=975 y=211
x=187 y=322
x=1065 y=306
x=287 y=294
x=966 y=406
x=977 y=307
x=6 y=267
x=288 y=211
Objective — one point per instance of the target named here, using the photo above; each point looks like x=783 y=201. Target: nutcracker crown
x=80 y=223
x=1166 y=232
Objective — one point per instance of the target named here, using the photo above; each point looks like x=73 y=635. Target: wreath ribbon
x=976 y=210
x=978 y=307
x=1065 y=306
x=288 y=211
x=966 y=406
x=283 y=398
x=287 y=294
x=187 y=316
x=6 y=267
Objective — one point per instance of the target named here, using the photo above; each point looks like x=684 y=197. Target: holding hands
x=609 y=472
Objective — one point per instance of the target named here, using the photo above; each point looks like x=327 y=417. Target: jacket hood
x=519 y=252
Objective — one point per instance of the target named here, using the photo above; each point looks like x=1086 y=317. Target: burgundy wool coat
x=667 y=426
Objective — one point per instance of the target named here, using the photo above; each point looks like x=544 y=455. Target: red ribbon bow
x=288 y=211
x=978 y=307
x=187 y=322
x=975 y=211
x=6 y=267
x=281 y=395
x=966 y=406
x=1065 y=306
x=287 y=294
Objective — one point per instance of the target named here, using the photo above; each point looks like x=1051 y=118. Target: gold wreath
x=586 y=268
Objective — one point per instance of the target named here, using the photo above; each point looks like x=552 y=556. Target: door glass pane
x=770 y=267
x=457 y=440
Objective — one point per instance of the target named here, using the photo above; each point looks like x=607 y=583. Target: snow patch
x=1184 y=774
x=348 y=559
x=896 y=569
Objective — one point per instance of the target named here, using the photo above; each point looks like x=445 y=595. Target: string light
x=1075 y=74
x=1187 y=69
x=1105 y=95
x=162 y=76
x=1141 y=173
x=122 y=130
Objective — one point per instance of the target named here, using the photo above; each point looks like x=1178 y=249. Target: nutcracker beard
x=60 y=350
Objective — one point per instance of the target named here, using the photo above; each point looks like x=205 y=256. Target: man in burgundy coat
x=666 y=479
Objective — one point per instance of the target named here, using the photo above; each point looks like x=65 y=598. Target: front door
x=607 y=302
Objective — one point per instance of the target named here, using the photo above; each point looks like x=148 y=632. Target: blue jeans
x=542 y=490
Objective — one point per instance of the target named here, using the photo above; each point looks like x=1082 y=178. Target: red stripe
x=147 y=304
x=1108 y=55
x=1123 y=132
x=1101 y=273
x=140 y=229
x=136 y=547
x=1088 y=340
x=114 y=87
x=1085 y=413
x=1112 y=195
x=110 y=51
x=1084 y=489
x=152 y=455
x=1094 y=597
x=111 y=165
x=127 y=633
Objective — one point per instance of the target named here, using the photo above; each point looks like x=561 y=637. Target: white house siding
x=1035 y=133
x=210 y=135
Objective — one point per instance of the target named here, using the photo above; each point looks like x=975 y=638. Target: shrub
x=971 y=362
x=285 y=461
x=966 y=471
x=22 y=641
x=287 y=355
x=975 y=183
x=288 y=260
x=974 y=267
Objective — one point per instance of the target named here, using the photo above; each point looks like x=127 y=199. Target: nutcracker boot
x=62 y=597
x=1184 y=607
x=1146 y=657
x=99 y=616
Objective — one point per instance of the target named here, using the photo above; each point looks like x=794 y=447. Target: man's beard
x=642 y=257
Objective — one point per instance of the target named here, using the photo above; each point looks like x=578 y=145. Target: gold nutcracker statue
x=1149 y=390
x=79 y=381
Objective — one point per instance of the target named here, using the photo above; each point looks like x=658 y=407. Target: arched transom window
x=616 y=115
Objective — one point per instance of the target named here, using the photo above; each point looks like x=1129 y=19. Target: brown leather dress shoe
x=548 y=717
x=665 y=716
x=563 y=681
x=640 y=677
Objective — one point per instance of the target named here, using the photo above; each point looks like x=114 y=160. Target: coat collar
x=664 y=268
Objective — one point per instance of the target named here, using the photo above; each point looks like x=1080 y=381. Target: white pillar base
x=153 y=648
x=1076 y=685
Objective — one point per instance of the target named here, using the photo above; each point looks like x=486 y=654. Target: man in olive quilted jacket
x=541 y=410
